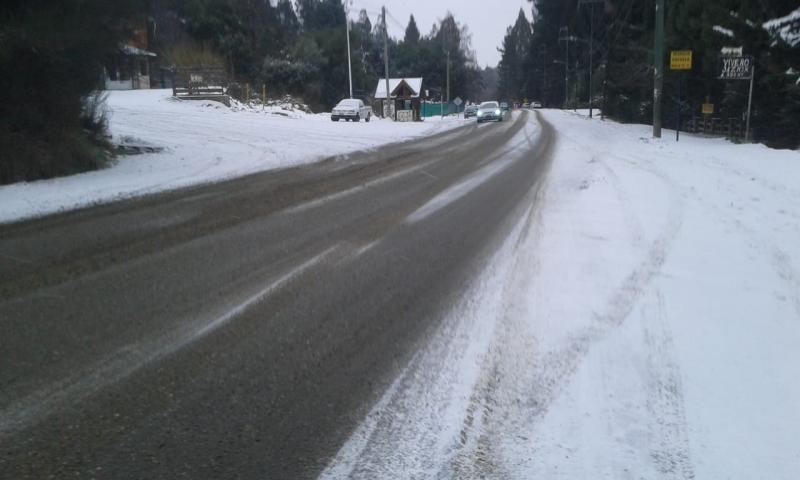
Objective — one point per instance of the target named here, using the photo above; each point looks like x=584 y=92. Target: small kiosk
x=404 y=99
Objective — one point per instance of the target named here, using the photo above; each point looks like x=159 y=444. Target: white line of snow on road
x=366 y=248
x=453 y=193
x=128 y=360
x=262 y=294
x=317 y=202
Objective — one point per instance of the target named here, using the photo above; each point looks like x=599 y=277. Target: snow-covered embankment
x=202 y=142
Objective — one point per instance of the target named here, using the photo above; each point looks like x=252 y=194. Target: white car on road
x=351 y=109
x=490 y=111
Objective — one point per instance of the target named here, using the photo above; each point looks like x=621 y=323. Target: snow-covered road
x=203 y=142
x=642 y=322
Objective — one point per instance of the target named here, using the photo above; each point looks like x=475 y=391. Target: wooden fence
x=732 y=128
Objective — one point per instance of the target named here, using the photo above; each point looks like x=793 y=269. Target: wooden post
x=658 y=70
x=263 y=96
x=747 y=134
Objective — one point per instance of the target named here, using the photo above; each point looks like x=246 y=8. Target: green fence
x=430 y=109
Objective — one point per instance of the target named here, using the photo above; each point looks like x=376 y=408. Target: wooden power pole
x=386 y=61
x=658 y=68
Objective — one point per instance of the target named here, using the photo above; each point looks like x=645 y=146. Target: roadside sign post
x=457 y=103
x=749 y=105
x=740 y=67
x=678 y=112
x=680 y=60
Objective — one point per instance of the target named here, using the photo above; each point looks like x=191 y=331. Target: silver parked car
x=490 y=111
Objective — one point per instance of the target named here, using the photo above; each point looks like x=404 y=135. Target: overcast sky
x=487 y=19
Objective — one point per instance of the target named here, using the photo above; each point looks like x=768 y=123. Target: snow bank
x=642 y=321
x=673 y=270
x=202 y=142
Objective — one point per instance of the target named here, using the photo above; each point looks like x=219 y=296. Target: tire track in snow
x=665 y=403
x=519 y=382
x=447 y=417
x=778 y=258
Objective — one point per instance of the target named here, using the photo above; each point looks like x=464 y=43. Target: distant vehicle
x=504 y=106
x=471 y=111
x=536 y=105
x=352 y=110
x=489 y=111
x=526 y=105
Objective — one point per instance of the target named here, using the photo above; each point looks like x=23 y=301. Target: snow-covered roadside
x=641 y=322
x=203 y=142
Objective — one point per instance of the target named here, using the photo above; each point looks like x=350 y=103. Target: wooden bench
x=202 y=92
x=197 y=90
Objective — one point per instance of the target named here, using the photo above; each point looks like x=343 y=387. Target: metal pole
x=448 y=78
x=658 y=62
x=747 y=135
x=563 y=34
x=566 y=73
x=575 y=88
x=444 y=47
x=605 y=81
x=349 y=63
x=386 y=60
x=678 y=113
x=591 y=59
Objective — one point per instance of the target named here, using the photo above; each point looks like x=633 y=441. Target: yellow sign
x=708 y=109
x=680 y=60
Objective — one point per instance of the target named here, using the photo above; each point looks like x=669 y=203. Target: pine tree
x=412 y=32
x=512 y=74
x=51 y=58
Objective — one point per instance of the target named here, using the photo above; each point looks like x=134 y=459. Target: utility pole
x=446 y=86
x=349 y=63
x=658 y=71
x=386 y=60
x=591 y=51
x=448 y=77
x=591 y=61
x=564 y=37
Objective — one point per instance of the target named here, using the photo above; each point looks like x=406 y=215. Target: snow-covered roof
x=415 y=84
x=732 y=51
x=135 y=51
x=787 y=27
x=723 y=31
